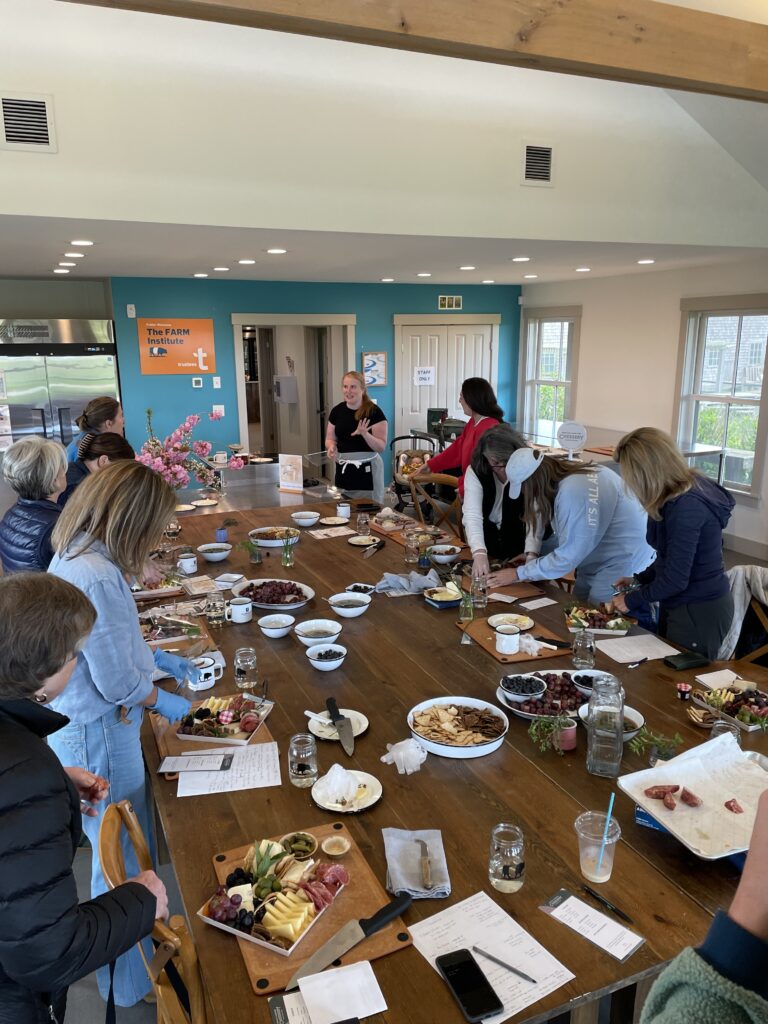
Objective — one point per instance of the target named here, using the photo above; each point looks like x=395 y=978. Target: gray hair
x=31 y=466
x=497 y=443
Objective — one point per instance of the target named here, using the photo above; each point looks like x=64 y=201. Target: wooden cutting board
x=485 y=636
x=399 y=537
x=361 y=897
x=517 y=590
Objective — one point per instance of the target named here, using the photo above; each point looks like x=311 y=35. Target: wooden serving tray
x=361 y=897
x=169 y=744
x=517 y=590
x=485 y=636
x=399 y=537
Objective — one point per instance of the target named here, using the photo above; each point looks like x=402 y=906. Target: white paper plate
x=204 y=502
x=238 y=589
x=522 y=622
x=372 y=795
x=333 y=520
x=362 y=542
x=370 y=588
x=228 y=579
x=447 y=749
x=185 y=508
x=328 y=732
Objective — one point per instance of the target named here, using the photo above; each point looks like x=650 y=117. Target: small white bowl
x=444 y=554
x=275 y=626
x=629 y=712
x=329 y=626
x=305 y=518
x=362 y=602
x=213 y=552
x=326 y=666
x=521 y=698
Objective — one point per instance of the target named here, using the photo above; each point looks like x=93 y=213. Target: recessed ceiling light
x=246 y=262
x=583 y=270
x=521 y=259
x=200 y=275
x=80 y=241
x=62 y=264
x=489 y=281
x=467 y=268
x=530 y=277
x=277 y=252
x=75 y=255
x=59 y=270
x=221 y=269
x=387 y=280
x=423 y=274
x=643 y=262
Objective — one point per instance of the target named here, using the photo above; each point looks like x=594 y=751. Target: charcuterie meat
x=669 y=801
x=734 y=806
x=659 y=792
x=690 y=798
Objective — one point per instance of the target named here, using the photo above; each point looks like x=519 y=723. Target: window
x=721 y=401
x=550 y=338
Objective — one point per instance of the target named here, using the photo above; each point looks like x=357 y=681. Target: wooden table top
x=401 y=652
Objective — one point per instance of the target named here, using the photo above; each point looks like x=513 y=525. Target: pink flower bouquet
x=179 y=458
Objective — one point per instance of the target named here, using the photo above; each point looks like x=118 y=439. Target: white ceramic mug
x=344 y=510
x=239 y=609
x=210 y=671
x=507 y=639
x=187 y=564
x=220 y=458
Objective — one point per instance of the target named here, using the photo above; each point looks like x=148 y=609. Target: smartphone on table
x=470 y=987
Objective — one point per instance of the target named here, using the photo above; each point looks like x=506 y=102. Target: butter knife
x=426 y=870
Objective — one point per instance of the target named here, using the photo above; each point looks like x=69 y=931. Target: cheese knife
x=426 y=871
x=349 y=935
x=552 y=642
x=343 y=726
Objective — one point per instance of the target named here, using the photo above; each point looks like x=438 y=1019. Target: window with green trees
x=551 y=337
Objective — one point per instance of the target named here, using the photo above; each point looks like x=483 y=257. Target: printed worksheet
x=591 y=924
x=253 y=767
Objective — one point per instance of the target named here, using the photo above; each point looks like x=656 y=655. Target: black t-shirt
x=344 y=422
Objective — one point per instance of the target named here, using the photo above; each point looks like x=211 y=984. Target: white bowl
x=305 y=518
x=593 y=674
x=444 y=554
x=632 y=713
x=258 y=536
x=326 y=666
x=329 y=626
x=275 y=626
x=521 y=698
x=361 y=604
x=211 y=552
x=446 y=749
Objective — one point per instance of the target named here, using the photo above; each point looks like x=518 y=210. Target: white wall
x=629 y=348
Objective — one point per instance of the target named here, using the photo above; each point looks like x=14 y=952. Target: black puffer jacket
x=25 y=535
x=47 y=939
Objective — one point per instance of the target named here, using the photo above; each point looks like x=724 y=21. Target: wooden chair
x=762 y=618
x=449 y=513
x=173 y=941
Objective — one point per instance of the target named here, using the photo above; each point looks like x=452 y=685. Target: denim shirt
x=115 y=666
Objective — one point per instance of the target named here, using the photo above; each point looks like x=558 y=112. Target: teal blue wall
x=172 y=397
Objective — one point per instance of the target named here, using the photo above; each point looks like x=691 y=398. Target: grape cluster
x=560 y=695
x=223 y=908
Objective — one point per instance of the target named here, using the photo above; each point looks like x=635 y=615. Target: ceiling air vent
x=537 y=164
x=26 y=122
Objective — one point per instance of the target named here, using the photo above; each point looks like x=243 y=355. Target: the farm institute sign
x=176 y=346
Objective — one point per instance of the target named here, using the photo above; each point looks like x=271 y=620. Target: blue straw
x=605 y=830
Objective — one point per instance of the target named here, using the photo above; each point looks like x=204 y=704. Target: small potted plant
x=557 y=732
x=658 y=746
x=253 y=549
x=222 y=537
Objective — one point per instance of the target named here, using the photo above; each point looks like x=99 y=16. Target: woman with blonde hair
x=356 y=428
x=37 y=471
x=103 y=538
x=687 y=513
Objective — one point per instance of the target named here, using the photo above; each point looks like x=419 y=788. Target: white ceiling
x=33 y=246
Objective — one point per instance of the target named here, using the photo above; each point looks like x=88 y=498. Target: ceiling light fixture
x=277 y=252
x=424 y=274
x=59 y=270
x=521 y=259
x=62 y=264
x=200 y=275
x=583 y=270
x=387 y=280
x=467 y=268
x=245 y=263
x=80 y=241
x=530 y=277
x=75 y=255
x=221 y=269
x=489 y=281
x=645 y=262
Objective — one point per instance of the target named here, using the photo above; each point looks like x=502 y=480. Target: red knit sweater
x=459 y=453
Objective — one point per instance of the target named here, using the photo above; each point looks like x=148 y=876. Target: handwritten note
x=479 y=920
x=253 y=767
x=591 y=924
x=632 y=648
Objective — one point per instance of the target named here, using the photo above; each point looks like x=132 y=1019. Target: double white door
x=454 y=352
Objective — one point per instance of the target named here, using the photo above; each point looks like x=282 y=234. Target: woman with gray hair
x=37 y=471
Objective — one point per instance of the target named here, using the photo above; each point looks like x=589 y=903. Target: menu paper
x=195 y=763
x=633 y=648
x=591 y=924
x=480 y=921
x=540 y=602
x=253 y=767
x=331 y=532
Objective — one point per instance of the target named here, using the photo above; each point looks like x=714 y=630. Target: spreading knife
x=426 y=871
x=349 y=935
x=343 y=726
x=373 y=548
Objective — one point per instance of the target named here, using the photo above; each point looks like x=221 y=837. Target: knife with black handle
x=343 y=726
x=561 y=645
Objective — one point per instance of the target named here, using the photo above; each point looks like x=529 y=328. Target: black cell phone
x=470 y=987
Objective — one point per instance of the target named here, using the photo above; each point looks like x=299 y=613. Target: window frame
x=694 y=312
x=527 y=385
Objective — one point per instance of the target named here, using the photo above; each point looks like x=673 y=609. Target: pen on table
x=636 y=664
x=607 y=904
x=502 y=963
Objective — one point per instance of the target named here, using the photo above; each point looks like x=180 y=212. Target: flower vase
x=566 y=738
x=287 y=559
x=222 y=536
x=256 y=556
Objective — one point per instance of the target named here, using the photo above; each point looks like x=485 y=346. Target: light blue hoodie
x=599 y=532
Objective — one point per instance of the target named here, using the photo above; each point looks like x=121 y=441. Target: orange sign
x=176 y=346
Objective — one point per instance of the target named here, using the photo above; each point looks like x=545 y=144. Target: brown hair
x=652 y=467
x=114 y=446
x=45 y=620
x=126 y=506
x=497 y=443
x=481 y=398
x=98 y=412
x=366 y=406
x=540 y=489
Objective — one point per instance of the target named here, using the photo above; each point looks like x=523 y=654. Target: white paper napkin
x=342 y=993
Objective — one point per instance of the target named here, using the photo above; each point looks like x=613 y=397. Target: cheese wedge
x=246 y=891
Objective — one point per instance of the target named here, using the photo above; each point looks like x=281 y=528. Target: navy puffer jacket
x=48 y=939
x=25 y=535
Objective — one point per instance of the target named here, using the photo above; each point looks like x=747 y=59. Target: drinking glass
x=302 y=760
x=723 y=728
x=287 y=557
x=246 y=668
x=584 y=649
x=412 y=548
x=215 y=610
x=590 y=828
x=506 y=860
x=480 y=590
x=363 y=524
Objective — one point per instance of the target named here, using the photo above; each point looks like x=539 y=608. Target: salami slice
x=734 y=806
x=659 y=792
x=690 y=798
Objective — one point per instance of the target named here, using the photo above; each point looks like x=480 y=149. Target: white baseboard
x=743 y=546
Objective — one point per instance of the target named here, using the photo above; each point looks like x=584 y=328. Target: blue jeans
x=111 y=747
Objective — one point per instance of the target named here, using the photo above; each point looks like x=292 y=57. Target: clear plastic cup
x=589 y=828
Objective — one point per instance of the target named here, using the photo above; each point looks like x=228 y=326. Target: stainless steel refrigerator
x=49 y=371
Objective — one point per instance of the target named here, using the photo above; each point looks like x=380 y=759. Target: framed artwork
x=375 y=369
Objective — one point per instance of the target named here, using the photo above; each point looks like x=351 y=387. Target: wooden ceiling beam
x=638 y=41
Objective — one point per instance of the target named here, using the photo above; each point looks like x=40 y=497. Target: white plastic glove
x=407 y=756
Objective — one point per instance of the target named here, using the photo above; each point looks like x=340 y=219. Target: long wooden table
x=401 y=652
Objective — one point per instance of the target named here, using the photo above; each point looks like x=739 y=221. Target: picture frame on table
x=375 y=369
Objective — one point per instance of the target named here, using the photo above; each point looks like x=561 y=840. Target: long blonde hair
x=126 y=506
x=653 y=467
x=366 y=406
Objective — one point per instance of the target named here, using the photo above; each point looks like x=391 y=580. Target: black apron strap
x=111 y=1015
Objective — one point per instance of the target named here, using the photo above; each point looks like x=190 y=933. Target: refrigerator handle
x=42 y=421
x=65 y=425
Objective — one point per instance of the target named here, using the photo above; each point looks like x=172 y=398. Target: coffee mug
x=187 y=564
x=220 y=457
x=344 y=510
x=239 y=609
x=210 y=671
x=507 y=639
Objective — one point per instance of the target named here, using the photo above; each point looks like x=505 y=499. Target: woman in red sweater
x=478 y=401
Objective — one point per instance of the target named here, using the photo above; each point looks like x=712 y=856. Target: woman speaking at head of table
x=357 y=427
